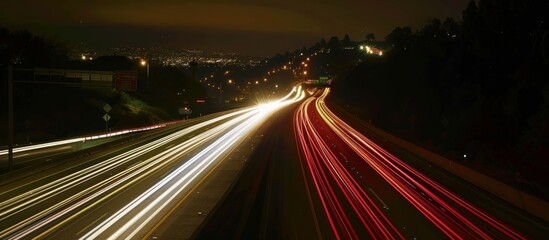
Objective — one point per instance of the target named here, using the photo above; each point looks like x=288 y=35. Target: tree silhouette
x=23 y=48
x=370 y=37
x=400 y=38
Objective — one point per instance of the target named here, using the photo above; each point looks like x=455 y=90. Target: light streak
x=82 y=139
x=141 y=211
x=99 y=186
x=330 y=179
x=450 y=213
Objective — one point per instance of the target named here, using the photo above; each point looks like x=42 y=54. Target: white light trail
x=135 y=216
x=238 y=124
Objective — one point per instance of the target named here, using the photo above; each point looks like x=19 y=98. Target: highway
x=347 y=171
x=313 y=176
x=289 y=169
x=123 y=195
x=269 y=199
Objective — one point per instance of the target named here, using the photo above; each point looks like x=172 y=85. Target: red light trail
x=451 y=214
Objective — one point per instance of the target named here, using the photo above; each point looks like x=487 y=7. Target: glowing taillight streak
x=406 y=180
x=319 y=156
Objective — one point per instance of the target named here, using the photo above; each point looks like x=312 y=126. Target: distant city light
x=143 y=62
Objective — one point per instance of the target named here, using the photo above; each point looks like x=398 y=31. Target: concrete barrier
x=531 y=204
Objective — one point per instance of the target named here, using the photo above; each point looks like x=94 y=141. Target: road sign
x=126 y=80
x=106 y=117
x=107 y=108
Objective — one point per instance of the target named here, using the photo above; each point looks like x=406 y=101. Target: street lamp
x=145 y=63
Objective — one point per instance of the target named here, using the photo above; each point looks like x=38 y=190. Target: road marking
x=343 y=157
x=90 y=225
x=171 y=145
x=148 y=235
x=378 y=198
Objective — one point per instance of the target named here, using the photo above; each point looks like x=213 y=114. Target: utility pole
x=10 y=117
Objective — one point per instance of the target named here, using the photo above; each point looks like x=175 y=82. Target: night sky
x=250 y=27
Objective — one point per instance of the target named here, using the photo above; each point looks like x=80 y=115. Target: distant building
x=121 y=80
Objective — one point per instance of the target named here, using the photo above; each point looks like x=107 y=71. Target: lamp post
x=10 y=118
x=145 y=63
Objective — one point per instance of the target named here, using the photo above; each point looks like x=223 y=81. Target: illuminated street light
x=83 y=57
x=145 y=63
x=256 y=82
x=230 y=81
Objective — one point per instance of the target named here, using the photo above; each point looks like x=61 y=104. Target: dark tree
x=370 y=37
x=400 y=38
x=346 y=40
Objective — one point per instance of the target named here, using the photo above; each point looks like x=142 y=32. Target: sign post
x=106 y=117
x=10 y=118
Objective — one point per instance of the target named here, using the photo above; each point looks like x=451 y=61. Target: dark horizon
x=243 y=27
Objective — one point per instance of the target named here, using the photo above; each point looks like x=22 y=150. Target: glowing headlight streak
x=38 y=195
x=120 y=181
x=81 y=139
x=442 y=207
x=137 y=214
x=325 y=169
x=84 y=200
x=76 y=178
